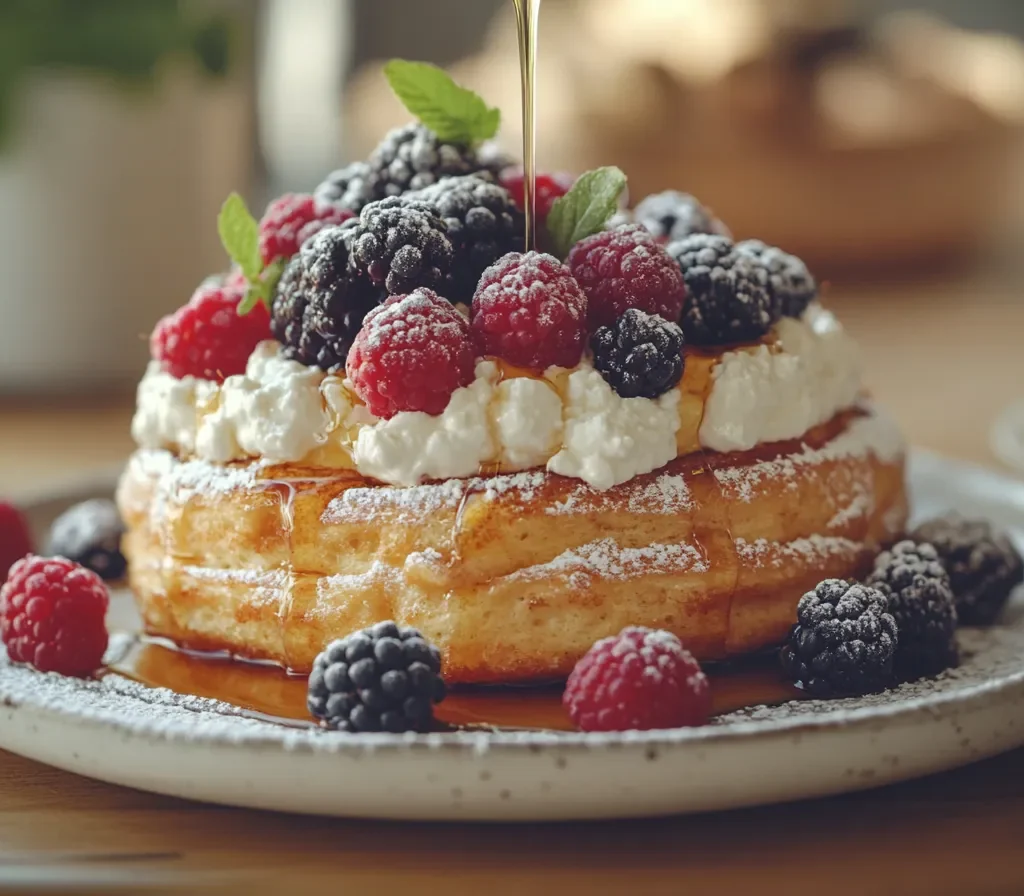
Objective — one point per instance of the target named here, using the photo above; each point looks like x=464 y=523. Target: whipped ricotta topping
x=413 y=446
x=609 y=439
x=764 y=396
x=571 y=422
x=274 y=410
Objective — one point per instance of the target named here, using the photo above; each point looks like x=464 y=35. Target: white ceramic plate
x=118 y=731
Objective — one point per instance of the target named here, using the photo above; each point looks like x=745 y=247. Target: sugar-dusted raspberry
x=528 y=310
x=53 y=615
x=15 y=538
x=637 y=680
x=627 y=268
x=550 y=187
x=292 y=219
x=207 y=338
x=412 y=353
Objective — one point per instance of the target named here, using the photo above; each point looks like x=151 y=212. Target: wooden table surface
x=944 y=359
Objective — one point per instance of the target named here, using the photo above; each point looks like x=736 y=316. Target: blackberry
x=983 y=565
x=413 y=157
x=729 y=297
x=483 y=225
x=90 y=534
x=792 y=285
x=674 y=216
x=383 y=678
x=921 y=602
x=402 y=244
x=351 y=187
x=639 y=355
x=844 y=642
x=320 y=303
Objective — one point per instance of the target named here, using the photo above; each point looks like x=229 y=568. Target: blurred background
x=880 y=140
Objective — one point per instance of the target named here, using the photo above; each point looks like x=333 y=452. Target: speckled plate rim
x=964 y=485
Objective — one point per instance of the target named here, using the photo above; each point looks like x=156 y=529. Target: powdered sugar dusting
x=605 y=559
x=408 y=505
x=761 y=553
x=874 y=434
x=667 y=493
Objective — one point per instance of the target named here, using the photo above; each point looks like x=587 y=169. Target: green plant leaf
x=586 y=208
x=262 y=288
x=240 y=235
x=455 y=114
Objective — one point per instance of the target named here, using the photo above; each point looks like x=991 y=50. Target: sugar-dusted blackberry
x=793 y=286
x=483 y=224
x=639 y=355
x=383 y=678
x=983 y=565
x=350 y=187
x=320 y=302
x=844 y=642
x=413 y=157
x=672 y=215
x=90 y=534
x=402 y=244
x=921 y=602
x=729 y=297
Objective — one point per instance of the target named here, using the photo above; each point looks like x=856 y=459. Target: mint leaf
x=586 y=208
x=455 y=114
x=262 y=288
x=240 y=236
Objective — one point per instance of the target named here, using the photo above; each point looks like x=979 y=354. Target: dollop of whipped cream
x=609 y=439
x=764 y=396
x=274 y=410
x=571 y=422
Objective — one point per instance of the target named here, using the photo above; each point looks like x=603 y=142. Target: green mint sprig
x=454 y=113
x=240 y=235
x=586 y=208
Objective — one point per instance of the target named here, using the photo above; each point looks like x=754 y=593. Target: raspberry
x=626 y=268
x=483 y=225
x=728 y=294
x=550 y=187
x=233 y=279
x=402 y=244
x=207 y=338
x=320 y=303
x=529 y=311
x=844 y=642
x=638 y=680
x=53 y=615
x=383 y=678
x=921 y=602
x=674 y=216
x=15 y=538
x=639 y=355
x=292 y=219
x=412 y=353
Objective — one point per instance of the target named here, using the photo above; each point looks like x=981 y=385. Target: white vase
x=108 y=203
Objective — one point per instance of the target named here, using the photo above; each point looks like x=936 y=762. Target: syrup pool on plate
x=270 y=693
